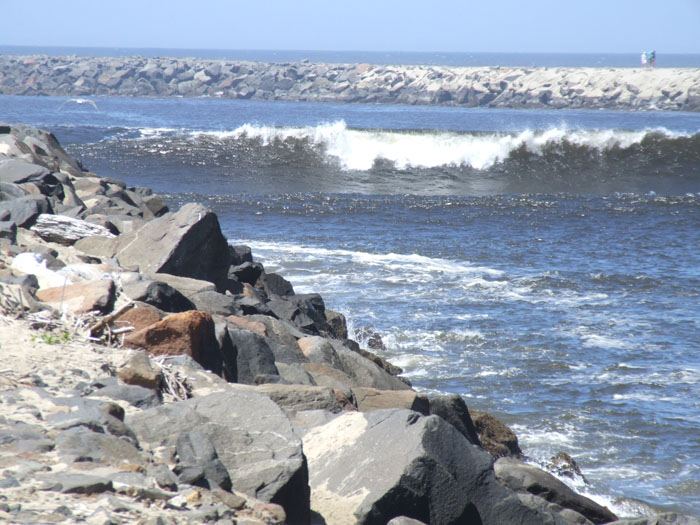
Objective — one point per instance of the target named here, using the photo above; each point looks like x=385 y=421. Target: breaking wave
x=364 y=149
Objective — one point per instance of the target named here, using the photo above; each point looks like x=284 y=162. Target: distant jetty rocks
x=503 y=87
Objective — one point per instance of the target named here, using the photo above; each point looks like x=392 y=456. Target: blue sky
x=597 y=26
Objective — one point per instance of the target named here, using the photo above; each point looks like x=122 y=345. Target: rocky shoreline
x=152 y=373
x=500 y=87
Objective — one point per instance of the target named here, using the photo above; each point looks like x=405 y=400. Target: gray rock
x=8 y=230
x=252 y=437
x=199 y=462
x=106 y=418
x=294 y=398
x=253 y=355
x=82 y=444
x=17 y=171
x=158 y=294
x=564 y=516
x=240 y=254
x=24 y=211
x=275 y=284
x=337 y=325
x=187 y=243
x=430 y=473
x=78 y=483
x=288 y=311
x=162 y=476
x=453 y=409
x=521 y=477
x=365 y=373
x=135 y=395
x=248 y=272
x=294 y=374
x=214 y=303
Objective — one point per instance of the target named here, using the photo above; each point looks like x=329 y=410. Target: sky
x=590 y=26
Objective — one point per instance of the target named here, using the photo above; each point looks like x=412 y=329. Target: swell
x=365 y=149
x=334 y=158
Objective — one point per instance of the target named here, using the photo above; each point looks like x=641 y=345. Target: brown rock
x=188 y=333
x=372 y=399
x=138 y=317
x=246 y=324
x=496 y=438
x=138 y=370
x=80 y=298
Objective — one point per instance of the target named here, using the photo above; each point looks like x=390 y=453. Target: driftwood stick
x=104 y=322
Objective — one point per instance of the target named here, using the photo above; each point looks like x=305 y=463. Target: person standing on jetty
x=649 y=58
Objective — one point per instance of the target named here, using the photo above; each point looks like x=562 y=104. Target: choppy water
x=544 y=264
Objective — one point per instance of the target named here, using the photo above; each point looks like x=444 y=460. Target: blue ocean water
x=377 y=57
x=543 y=264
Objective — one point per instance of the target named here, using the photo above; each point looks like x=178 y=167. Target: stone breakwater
x=152 y=373
x=502 y=87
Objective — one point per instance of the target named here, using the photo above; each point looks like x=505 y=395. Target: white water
x=360 y=149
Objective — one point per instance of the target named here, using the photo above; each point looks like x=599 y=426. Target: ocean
x=438 y=58
x=543 y=264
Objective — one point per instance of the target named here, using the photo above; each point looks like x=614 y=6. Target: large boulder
x=67 y=230
x=454 y=410
x=426 y=471
x=187 y=333
x=521 y=477
x=187 y=243
x=253 y=440
x=254 y=356
x=158 y=294
x=363 y=372
x=24 y=211
x=80 y=298
x=369 y=399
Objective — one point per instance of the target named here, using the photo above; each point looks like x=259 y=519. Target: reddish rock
x=80 y=298
x=140 y=316
x=188 y=333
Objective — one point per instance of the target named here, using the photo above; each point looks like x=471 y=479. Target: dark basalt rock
x=240 y=254
x=521 y=477
x=159 y=294
x=248 y=272
x=253 y=355
x=275 y=284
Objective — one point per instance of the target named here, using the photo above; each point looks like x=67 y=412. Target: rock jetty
x=500 y=87
x=152 y=373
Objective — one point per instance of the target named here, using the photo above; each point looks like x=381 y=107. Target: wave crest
x=361 y=150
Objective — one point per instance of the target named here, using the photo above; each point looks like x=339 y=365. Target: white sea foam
x=391 y=261
x=601 y=341
x=359 y=149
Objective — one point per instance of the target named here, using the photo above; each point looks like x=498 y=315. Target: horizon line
x=56 y=46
